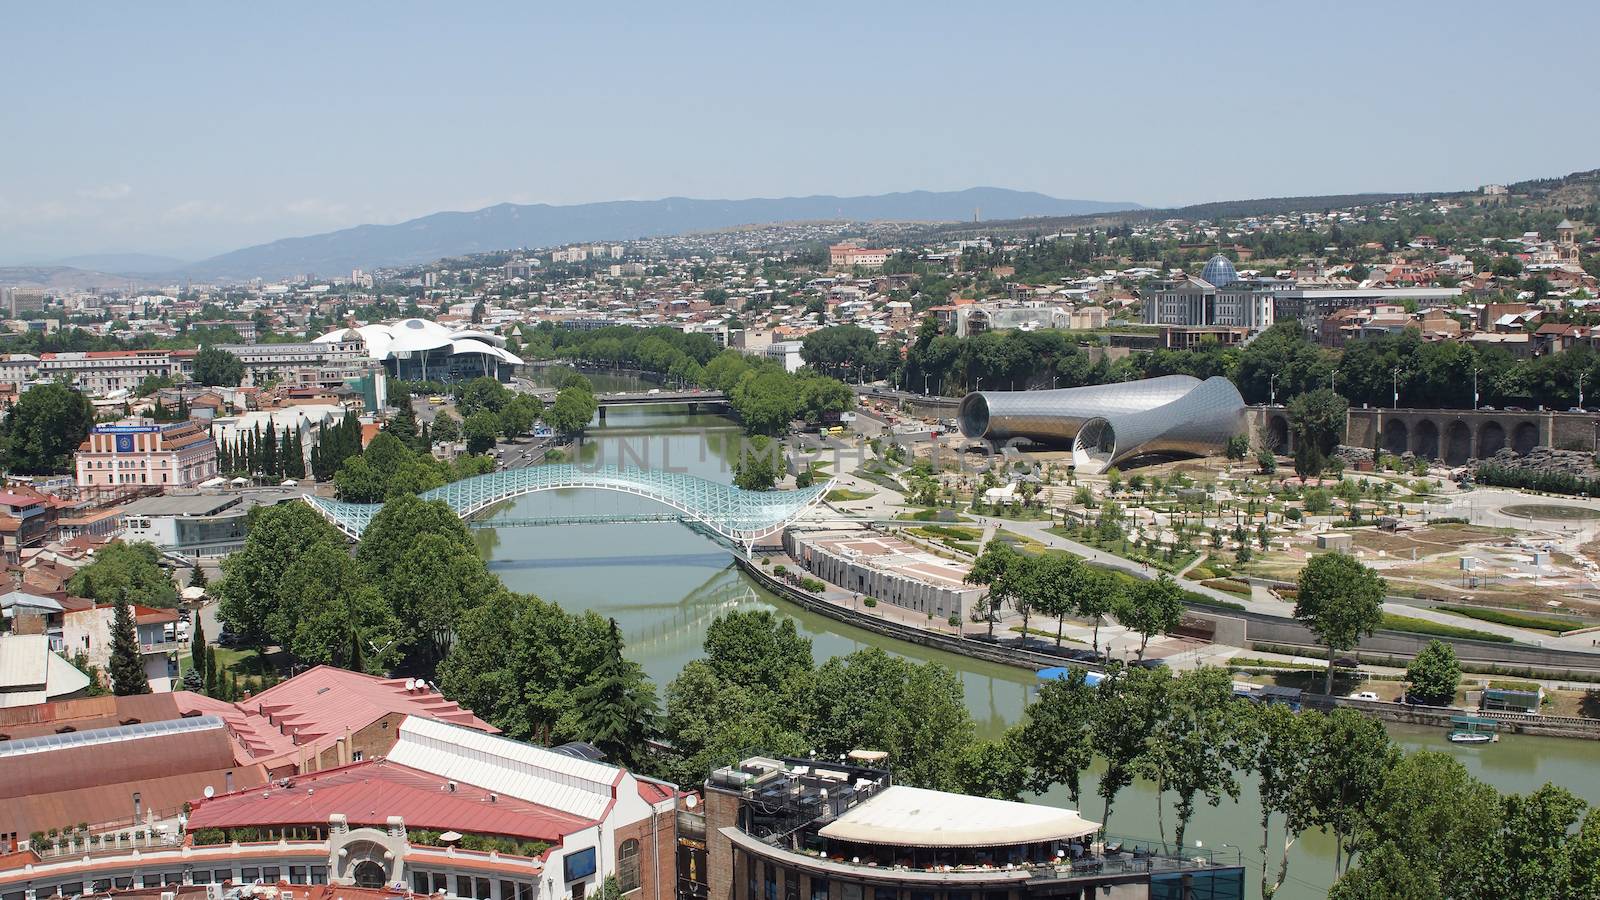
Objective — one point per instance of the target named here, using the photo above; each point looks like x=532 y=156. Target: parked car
x=1364 y=695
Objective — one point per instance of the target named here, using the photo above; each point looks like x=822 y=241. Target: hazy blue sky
x=190 y=129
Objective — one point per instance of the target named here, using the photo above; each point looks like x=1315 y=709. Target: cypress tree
x=127 y=663
x=269 y=452
x=213 y=687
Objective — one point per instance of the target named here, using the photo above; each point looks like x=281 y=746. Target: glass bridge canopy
x=738 y=515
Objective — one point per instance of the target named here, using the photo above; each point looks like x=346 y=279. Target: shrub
x=955 y=621
x=1536 y=480
x=780 y=570
x=870 y=602
x=1513 y=619
x=206 y=836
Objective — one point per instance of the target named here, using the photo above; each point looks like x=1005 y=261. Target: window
x=356 y=756
x=271 y=874
x=421 y=882
x=508 y=891
x=628 y=865
x=819 y=888
x=885 y=893
x=298 y=875
x=319 y=874
x=249 y=875
x=200 y=876
x=463 y=885
x=137 y=806
x=150 y=881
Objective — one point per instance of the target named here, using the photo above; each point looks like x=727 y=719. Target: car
x=1363 y=695
x=227 y=638
x=436 y=399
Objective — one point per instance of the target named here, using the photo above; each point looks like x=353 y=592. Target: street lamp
x=1475 y=388
x=1581 y=377
x=1272 y=389
x=1395 y=378
x=924 y=384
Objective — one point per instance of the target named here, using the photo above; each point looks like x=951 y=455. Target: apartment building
x=102 y=372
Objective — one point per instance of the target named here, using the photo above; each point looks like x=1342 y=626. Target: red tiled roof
x=369 y=792
x=313 y=709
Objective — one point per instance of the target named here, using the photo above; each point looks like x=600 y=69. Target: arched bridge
x=738 y=516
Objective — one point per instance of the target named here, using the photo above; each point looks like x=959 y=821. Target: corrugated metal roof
x=134 y=732
x=23 y=660
x=541 y=776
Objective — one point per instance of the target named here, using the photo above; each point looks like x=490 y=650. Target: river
x=664 y=584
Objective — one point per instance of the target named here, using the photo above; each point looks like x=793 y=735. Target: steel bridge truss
x=738 y=516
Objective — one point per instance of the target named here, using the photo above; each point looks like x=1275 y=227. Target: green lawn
x=1426 y=626
x=1529 y=621
x=845 y=495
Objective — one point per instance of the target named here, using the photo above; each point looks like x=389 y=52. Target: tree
x=403 y=424
x=516 y=662
x=250 y=601
x=1196 y=747
x=1534 y=845
x=710 y=721
x=1129 y=704
x=197 y=577
x=997 y=769
x=757 y=648
x=338 y=617
x=483 y=393
x=446 y=428
x=198 y=649
x=917 y=713
x=125 y=571
x=617 y=705
x=766 y=401
x=1053 y=586
x=216 y=367
x=1445 y=823
x=43 y=429
x=1507 y=267
x=1238 y=447
x=1340 y=600
x=1434 y=674
x=1056 y=733
x=1350 y=757
x=481 y=430
x=1097 y=594
x=1151 y=608
x=518 y=416
x=127 y=662
x=1003 y=571
x=574 y=406
x=1278 y=750
x=1317 y=419
x=759 y=463
x=1266 y=461
x=1583 y=865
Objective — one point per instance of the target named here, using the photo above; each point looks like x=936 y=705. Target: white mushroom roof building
x=424 y=348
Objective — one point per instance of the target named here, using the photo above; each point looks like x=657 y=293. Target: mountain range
x=509 y=225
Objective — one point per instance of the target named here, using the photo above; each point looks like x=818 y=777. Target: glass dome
x=1219 y=272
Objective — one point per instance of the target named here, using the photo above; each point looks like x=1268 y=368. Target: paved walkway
x=885 y=503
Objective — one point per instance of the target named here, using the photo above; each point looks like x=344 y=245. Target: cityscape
x=537 y=527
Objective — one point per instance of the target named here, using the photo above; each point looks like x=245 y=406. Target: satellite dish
x=691 y=801
x=210 y=792
x=411 y=684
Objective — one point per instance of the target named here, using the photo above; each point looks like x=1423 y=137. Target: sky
x=192 y=129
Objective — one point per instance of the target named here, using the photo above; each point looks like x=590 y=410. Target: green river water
x=664 y=584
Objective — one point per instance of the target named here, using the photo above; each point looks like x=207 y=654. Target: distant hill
x=65 y=279
x=1226 y=209
x=541 y=225
x=123 y=263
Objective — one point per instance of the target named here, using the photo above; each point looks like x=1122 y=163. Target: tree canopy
x=43 y=429
x=126 y=571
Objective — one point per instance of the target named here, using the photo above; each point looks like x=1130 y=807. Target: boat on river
x=1473 y=730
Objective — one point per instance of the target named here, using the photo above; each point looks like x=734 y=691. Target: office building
x=140 y=452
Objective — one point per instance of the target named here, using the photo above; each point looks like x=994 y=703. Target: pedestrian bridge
x=741 y=517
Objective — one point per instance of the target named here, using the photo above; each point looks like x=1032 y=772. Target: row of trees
x=1059 y=585
x=268 y=453
x=395 y=604
x=388 y=468
x=767 y=398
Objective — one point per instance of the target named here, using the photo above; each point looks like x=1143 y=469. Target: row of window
x=470 y=886
x=246 y=875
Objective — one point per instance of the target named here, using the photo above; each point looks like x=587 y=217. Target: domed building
x=423 y=350
x=1219 y=299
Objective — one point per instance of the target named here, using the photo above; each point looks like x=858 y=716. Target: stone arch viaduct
x=1450 y=435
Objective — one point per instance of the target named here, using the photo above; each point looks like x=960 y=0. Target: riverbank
x=881 y=623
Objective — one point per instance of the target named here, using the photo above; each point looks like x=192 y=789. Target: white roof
x=576 y=786
x=924 y=818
